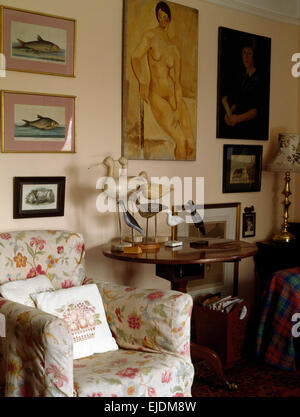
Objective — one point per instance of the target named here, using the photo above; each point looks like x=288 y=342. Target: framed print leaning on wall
x=221 y=221
x=39 y=197
x=160 y=58
x=37 y=122
x=243 y=85
x=36 y=42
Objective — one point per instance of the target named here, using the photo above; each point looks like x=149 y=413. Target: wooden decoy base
x=149 y=246
x=159 y=239
x=136 y=239
x=118 y=246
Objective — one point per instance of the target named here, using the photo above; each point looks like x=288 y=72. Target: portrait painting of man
x=243 y=85
x=160 y=56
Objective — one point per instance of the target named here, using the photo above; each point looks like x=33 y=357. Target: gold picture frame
x=37 y=122
x=221 y=220
x=37 y=42
x=159 y=38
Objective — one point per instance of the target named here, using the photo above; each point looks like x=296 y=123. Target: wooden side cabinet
x=272 y=257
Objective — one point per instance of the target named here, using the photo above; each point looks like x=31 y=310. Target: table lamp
x=286 y=160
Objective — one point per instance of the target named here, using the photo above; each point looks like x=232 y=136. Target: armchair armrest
x=148 y=320
x=38 y=353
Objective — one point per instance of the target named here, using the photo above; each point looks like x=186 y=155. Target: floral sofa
x=151 y=328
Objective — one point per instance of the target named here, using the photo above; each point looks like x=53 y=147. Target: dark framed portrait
x=249 y=220
x=242 y=166
x=38 y=197
x=243 y=96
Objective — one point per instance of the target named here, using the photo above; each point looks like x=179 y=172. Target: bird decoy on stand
x=130 y=220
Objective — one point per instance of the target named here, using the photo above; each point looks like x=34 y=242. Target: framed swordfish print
x=36 y=122
x=36 y=42
x=159 y=118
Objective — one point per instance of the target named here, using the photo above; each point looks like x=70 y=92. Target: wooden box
x=223 y=332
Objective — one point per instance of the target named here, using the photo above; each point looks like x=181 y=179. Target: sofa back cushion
x=58 y=254
x=20 y=291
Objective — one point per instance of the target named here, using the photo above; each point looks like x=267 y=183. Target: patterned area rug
x=253 y=379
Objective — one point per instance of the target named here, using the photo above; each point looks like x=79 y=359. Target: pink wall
x=98 y=90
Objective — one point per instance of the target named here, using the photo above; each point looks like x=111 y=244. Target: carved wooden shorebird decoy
x=130 y=220
x=197 y=219
x=173 y=220
x=148 y=210
x=152 y=190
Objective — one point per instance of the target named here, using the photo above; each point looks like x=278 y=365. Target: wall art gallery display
x=160 y=57
x=243 y=85
x=36 y=122
x=36 y=42
x=39 y=197
x=221 y=221
x=242 y=168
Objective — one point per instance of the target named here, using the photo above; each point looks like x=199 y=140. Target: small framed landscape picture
x=249 y=220
x=242 y=166
x=36 y=122
x=38 y=197
x=37 y=42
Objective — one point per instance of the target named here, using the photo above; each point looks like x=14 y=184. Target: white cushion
x=20 y=290
x=82 y=308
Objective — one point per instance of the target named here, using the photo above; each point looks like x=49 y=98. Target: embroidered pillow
x=82 y=308
x=20 y=290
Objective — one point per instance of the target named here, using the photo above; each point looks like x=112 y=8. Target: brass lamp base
x=284 y=237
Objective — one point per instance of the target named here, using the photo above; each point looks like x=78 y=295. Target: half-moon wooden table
x=181 y=264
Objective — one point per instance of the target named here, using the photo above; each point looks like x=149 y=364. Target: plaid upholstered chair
x=47 y=302
x=278 y=339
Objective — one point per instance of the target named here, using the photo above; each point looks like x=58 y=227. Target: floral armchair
x=151 y=328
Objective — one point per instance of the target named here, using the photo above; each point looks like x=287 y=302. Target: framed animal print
x=160 y=73
x=37 y=122
x=244 y=62
x=37 y=42
x=38 y=197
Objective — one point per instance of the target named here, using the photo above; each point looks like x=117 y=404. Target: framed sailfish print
x=37 y=122
x=36 y=42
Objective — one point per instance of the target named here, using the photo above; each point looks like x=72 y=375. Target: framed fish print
x=36 y=42
x=37 y=122
x=160 y=75
x=39 y=197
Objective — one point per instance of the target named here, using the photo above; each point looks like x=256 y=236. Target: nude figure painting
x=159 y=81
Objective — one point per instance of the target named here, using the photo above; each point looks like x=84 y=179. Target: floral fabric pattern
x=37 y=354
x=57 y=254
x=129 y=373
x=149 y=320
x=151 y=327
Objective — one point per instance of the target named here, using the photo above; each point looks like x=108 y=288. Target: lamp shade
x=288 y=155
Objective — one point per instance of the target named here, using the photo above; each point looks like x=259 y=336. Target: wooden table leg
x=213 y=360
